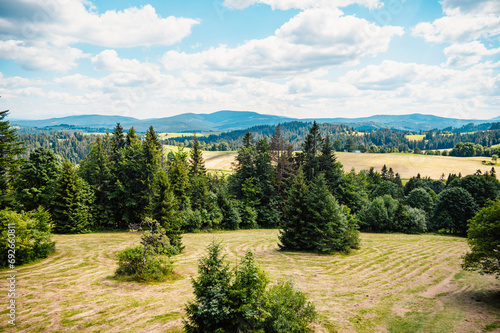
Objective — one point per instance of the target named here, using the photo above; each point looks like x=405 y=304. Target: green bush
x=32 y=236
x=131 y=266
x=286 y=310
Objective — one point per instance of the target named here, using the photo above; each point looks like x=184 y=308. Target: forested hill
x=348 y=138
x=223 y=121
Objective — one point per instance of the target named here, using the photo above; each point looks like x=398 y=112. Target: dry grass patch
x=396 y=283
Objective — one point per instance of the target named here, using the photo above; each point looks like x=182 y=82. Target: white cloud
x=37 y=34
x=40 y=56
x=460 y=55
x=70 y=21
x=465 y=20
x=17 y=81
x=314 y=38
x=301 y=4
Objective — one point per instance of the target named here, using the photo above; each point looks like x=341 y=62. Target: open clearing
x=394 y=283
x=407 y=165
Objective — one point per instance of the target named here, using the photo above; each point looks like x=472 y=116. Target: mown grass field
x=407 y=165
x=394 y=283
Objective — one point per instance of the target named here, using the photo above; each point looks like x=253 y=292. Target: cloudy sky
x=297 y=58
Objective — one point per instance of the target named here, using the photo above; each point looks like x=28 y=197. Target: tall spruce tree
x=131 y=137
x=95 y=168
x=34 y=186
x=9 y=149
x=71 y=206
x=313 y=220
x=295 y=214
x=117 y=142
x=164 y=210
x=330 y=166
x=178 y=172
x=198 y=181
x=310 y=151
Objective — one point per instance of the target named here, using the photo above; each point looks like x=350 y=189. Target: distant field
x=407 y=165
x=415 y=137
x=394 y=283
x=180 y=135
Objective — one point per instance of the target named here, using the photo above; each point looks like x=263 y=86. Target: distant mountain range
x=222 y=121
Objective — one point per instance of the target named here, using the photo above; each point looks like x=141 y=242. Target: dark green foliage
x=353 y=190
x=229 y=207
x=481 y=187
x=131 y=266
x=287 y=310
x=380 y=214
x=421 y=199
x=237 y=301
x=117 y=142
x=454 y=207
x=210 y=311
x=131 y=195
x=72 y=202
x=96 y=170
x=311 y=149
x=178 y=174
x=295 y=214
x=165 y=210
x=385 y=214
x=329 y=165
x=192 y=220
x=313 y=220
x=9 y=149
x=34 y=185
x=196 y=161
x=483 y=237
x=387 y=187
x=32 y=236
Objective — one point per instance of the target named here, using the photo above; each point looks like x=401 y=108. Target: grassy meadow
x=393 y=283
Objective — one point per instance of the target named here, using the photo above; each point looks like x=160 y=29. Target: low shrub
x=131 y=265
x=32 y=236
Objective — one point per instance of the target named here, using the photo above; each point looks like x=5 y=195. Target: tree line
x=347 y=138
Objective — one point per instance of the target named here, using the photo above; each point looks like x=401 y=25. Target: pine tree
x=211 y=310
x=313 y=220
x=310 y=151
x=71 y=207
x=34 y=186
x=198 y=181
x=131 y=137
x=164 y=210
x=96 y=170
x=196 y=161
x=9 y=149
x=330 y=166
x=326 y=226
x=295 y=214
x=178 y=172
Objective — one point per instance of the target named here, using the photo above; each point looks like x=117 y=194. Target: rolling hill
x=231 y=120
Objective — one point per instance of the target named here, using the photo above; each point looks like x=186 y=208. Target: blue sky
x=296 y=58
